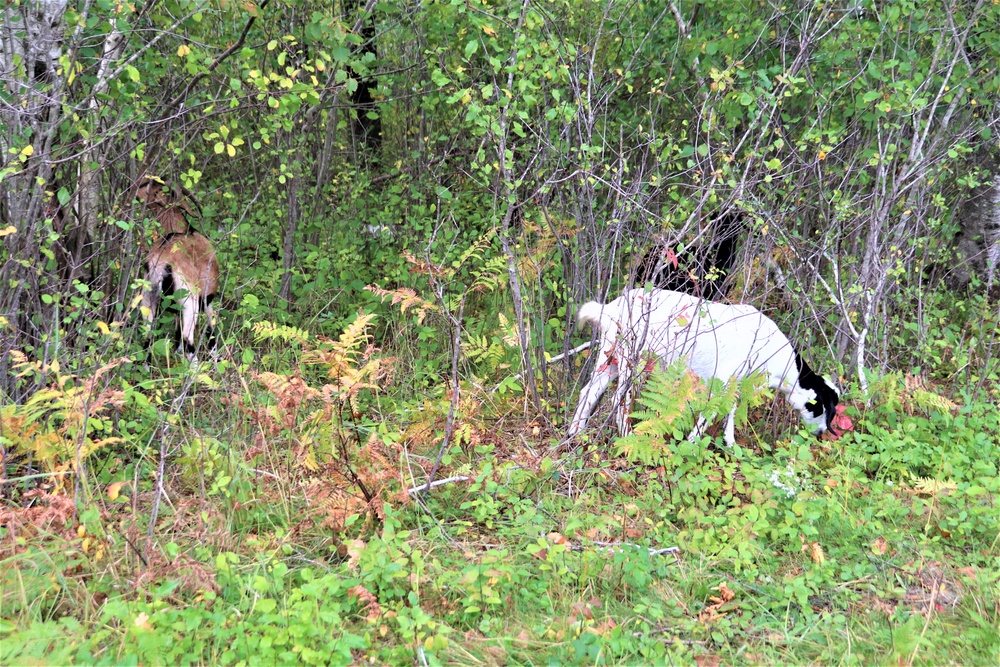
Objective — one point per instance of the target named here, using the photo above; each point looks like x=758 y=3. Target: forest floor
x=289 y=529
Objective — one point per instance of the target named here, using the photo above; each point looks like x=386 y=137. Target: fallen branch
x=425 y=487
x=618 y=545
x=558 y=357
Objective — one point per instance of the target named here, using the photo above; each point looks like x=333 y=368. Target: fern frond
x=510 y=334
x=474 y=250
x=491 y=277
x=406 y=298
x=265 y=330
x=929 y=401
x=666 y=396
x=339 y=355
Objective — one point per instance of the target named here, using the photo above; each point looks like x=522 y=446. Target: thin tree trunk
x=288 y=249
x=325 y=157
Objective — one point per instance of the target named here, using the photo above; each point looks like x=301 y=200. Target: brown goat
x=183 y=259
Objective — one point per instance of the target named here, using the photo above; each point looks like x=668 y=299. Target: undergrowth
x=291 y=527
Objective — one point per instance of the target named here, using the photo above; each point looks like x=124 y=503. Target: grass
x=285 y=533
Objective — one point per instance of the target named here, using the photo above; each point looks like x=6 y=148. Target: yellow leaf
x=489 y=31
x=879 y=546
x=354 y=549
x=142 y=621
x=103 y=327
x=114 y=489
x=8 y=230
x=183 y=50
x=816 y=552
x=231 y=150
x=86 y=545
x=28 y=150
x=81 y=530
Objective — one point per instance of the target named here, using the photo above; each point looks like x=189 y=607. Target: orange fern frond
x=406 y=298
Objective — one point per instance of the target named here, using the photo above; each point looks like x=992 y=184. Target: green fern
x=670 y=399
x=475 y=250
x=887 y=390
x=492 y=277
x=270 y=331
x=492 y=352
x=665 y=396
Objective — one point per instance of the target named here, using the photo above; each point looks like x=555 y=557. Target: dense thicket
x=408 y=202
x=570 y=133
x=325 y=141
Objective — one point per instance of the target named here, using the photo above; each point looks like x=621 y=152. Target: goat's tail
x=592 y=313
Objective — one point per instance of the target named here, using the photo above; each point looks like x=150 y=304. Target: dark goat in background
x=700 y=271
x=181 y=259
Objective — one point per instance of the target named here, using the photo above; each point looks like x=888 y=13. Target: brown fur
x=182 y=259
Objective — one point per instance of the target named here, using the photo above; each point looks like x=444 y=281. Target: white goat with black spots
x=716 y=340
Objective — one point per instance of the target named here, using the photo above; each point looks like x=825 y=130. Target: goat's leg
x=623 y=405
x=589 y=396
x=149 y=305
x=731 y=427
x=211 y=342
x=148 y=312
x=189 y=317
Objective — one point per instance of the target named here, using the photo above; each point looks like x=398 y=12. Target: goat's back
x=191 y=257
x=719 y=340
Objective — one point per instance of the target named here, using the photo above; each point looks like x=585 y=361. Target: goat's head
x=815 y=398
x=168 y=205
x=819 y=411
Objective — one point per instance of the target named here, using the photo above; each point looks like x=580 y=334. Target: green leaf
x=471 y=48
x=439 y=79
x=266 y=605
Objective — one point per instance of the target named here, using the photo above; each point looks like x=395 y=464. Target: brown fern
x=406 y=298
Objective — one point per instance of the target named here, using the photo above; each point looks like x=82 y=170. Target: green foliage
x=672 y=397
x=526 y=146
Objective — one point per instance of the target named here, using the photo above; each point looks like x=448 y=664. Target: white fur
x=717 y=340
